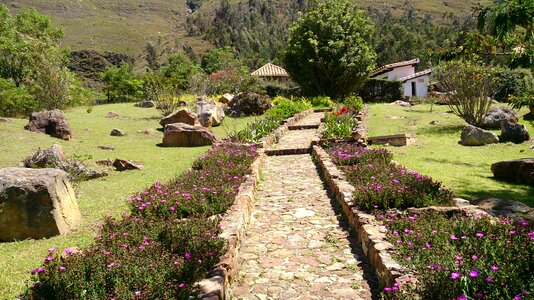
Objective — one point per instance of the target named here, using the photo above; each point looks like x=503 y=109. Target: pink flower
x=518 y=297
x=453 y=237
x=181 y=285
x=473 y=273
x=455 y=276
x=479 y=235
x=490 y=279
x=62 y=268
x=52 y=250
x=474 y=257
x=187 y=255
x=49 y=258
x=462 y=297
x=138 y=293
x=494 y=268
x=67 y=251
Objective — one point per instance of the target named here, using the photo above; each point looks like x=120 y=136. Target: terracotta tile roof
x=418 y=74
x=270 y=70
x=390 y=67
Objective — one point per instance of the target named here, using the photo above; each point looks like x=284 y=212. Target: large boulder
x=226 y=98
x=125 y=165
x=210 y=113
x=401 y=103
x=248 y=104
x=185 y=135
x=474 y=136
x=50 y=122
x=184 y=115
x=513 y=132
x=36 y=203
x=518 y=170
x=498 y=114
x=55 y=157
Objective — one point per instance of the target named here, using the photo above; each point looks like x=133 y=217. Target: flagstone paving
x=296 y=248
x=295 y=139
x=312 y=119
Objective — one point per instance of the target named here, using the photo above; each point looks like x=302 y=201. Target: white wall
x=421 y=86
x=401 y=72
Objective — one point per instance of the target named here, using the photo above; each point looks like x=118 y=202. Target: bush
x=339 y=125
x=463 y=256
x=133 y=257
x=15 y=101
x=381 y=90
x=353 y=102
x=275 y=88
x=380 y=184
x=321 y=102
x=256 y=130
x=469 y=87
x=154 y=253
x=514 y=83
x=285 y=108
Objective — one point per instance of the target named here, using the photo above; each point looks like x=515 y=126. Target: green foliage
x=474 y=256
x=225 y=81
x=321 y=102
x=469 y=87
x=152 y=57
x=353 y=103
x=218 y=59
x=381 y=90
x=285 y=108
x=516 y=83
x=179 y=69
x=339 y=125
x=255 y=130
x=328 y=52
x=15 y=101
x=121 y=85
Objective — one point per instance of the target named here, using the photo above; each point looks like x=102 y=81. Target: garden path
x=296 y=245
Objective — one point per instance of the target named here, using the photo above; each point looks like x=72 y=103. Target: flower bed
x=465 y=256
x=154 y=253
x=380 y=184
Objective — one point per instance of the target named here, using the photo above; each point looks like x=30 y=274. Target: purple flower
x=480 y=295
x=387 y=289
x=455 y=276
x=473 y=273
x=462 y=297
x=49 y=258
x=187 y=255
x=181 y=285
x=459 y=257
x=138 y=293
x=38 y=270
x=68 y=251
x=453 y=237
x=512 y=232
x=51 y=250
x=62 y=268
x=494 y=268
x=474 y=257
x=518 y=297
x=490 y=279
x=479 y=235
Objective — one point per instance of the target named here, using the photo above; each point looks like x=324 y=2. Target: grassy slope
x=464 y=170
x=100 y=197
x=126 y=26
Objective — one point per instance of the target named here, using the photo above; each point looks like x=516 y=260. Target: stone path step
x=295 y=247
x=293 y=142
x=313 y=119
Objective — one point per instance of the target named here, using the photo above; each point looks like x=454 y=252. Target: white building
x=413 y=84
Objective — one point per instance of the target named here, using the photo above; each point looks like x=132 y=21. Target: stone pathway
x=295 y=139
x=296 y=248
x=312 y=119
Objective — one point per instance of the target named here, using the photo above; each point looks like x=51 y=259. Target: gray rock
x=124 y=165
x=112 y=115
x=248 y=104
x=501 y=207
x=185 y=135
x=3 y=120
x=117 y=132
x=401 y=103
x=519 y=170
x=210 y=114
x=226 y=98
x=184 y=115
x=55 y=157
x=512 y=132
x=107 y=147
x=36 y=203
x=145 y=104
x=498 y=114
x=474 y=136
x=50 y=122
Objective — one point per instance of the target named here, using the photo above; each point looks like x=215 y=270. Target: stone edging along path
x=236 y=219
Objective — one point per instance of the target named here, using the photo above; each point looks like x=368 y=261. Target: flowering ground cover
x=163 y=246
x=380 y=184
x=464 y=256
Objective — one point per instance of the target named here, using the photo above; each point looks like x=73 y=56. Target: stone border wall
x=371 y=233
x=235 y=221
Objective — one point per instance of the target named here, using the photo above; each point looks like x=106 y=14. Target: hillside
x=125 y=26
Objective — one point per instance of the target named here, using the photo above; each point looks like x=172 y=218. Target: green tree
x=121 y=84
x=152 y=57
x=180 y=69
x=328 y=51
x=218 y=59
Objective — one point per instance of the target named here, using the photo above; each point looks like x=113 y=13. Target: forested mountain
x=256 y=29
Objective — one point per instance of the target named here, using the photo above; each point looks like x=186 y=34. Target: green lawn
x=100 y=197
x=437 y=153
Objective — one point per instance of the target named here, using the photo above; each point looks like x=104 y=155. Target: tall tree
x=328 y=52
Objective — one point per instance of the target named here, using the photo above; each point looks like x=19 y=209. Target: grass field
x=100 y=197
x=437 y=153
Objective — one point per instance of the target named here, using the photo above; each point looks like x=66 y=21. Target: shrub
x=470 y=87
x=339 y=126
x=514 y=83
x=380 y=184
x=353 y=102
x=256 y=130
x=208 y=189
x=275 y=88
x=15 y=101
x=381 y=90
x=463 y=256
x=285 y=108
x=321 y=102
x=133 y=257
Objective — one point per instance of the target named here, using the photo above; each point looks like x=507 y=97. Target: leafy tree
x=470 y=87
x=152 y=57
x=218 y=59
x=121 y=84
x=179 y=69
x=328 y=51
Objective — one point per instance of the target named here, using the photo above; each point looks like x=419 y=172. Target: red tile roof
x=418 y=74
